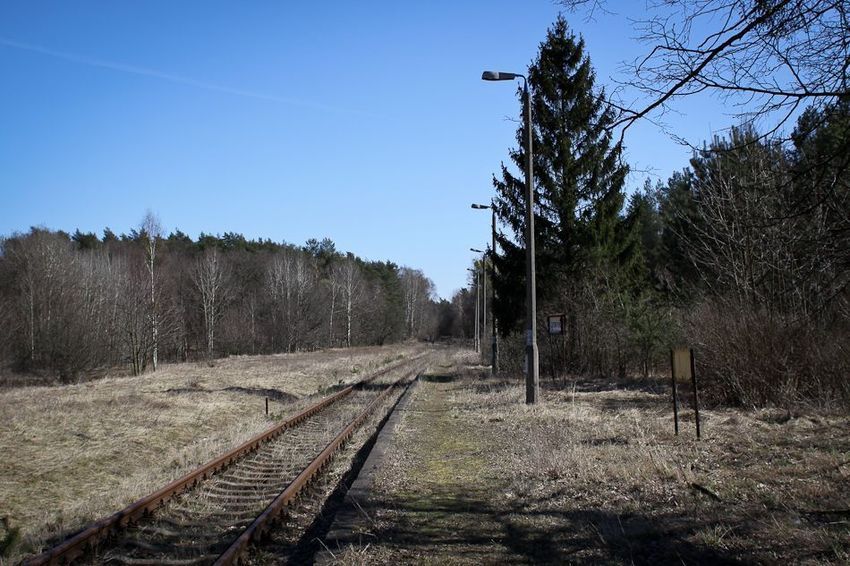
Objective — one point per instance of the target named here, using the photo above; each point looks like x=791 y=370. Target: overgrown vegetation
x=596 y=475
x=742 y=255
x=9 y=537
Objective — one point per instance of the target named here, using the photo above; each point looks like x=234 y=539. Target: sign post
x=696 y=394
x=675 y=393
x=682 y=368
x=555 y=323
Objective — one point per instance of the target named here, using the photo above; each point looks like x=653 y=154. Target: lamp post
x=532 y=380
x=482 y=280
x=476 y=339
x=494 y=346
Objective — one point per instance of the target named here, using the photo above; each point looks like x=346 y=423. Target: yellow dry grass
x=73 y=453
x=595 y=474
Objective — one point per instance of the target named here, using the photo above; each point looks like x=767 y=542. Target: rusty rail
x=265 y=520
x=76 y=546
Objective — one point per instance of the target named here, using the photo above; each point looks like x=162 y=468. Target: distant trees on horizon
x=74 y=303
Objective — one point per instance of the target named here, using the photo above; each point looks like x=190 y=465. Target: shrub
x=747 y=356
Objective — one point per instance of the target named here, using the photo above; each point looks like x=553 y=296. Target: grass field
x=73 y=453
x=594 y=474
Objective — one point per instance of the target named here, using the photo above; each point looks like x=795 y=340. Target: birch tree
x=418 y=291
x=334 y=287
x=212 y=281
x=152 y=231
x=303 y=281
x=346 y=275
x=279 y=291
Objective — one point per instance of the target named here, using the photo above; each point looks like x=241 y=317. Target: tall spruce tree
x=579 y=182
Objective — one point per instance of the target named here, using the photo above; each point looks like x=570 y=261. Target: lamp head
x=498 y=76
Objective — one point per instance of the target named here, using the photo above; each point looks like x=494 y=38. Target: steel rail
x=264 y=521
x=76 y=546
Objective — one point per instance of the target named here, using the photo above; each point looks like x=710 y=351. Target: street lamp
x=494 y=347
x=476 y=339
x=482 y=277
x=532 y=381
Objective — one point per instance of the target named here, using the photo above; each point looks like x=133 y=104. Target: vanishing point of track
x=213 y=514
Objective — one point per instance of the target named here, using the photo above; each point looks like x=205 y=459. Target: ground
x=75 y=453
x=594 y=474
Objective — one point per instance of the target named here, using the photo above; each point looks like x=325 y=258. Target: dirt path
x=429 y=491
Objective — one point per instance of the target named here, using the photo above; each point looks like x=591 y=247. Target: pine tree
x=819 y=203
x=579 y=182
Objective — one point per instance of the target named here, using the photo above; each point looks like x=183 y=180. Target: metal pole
x=675 y=396
x=494 y=349
x=696 y=394
x=483 y=301
x=477 y=301
x=477 y=297
x=532 y=382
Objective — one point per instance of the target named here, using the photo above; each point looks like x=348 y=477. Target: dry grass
x=476 y=476
x=74 y=453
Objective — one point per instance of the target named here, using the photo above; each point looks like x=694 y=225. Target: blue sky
x=363 y=122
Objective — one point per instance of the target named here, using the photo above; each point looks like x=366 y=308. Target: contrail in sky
x=146 y=72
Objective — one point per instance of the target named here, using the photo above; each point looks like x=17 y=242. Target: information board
x=682 y=364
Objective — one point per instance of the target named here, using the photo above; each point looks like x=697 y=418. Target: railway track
x=213 y=514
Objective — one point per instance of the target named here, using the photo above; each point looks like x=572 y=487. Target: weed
x=10 y=537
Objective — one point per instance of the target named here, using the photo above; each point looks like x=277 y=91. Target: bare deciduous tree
x=65 y=301
x=418 y=292
x=134 y=318
x=334 y=287
x=152 y=230
x=40 y=260
x=292 y=284
x=347 y=276
x=767 y=57
x=73 y=304
x=212 y=279
x=303 y=281
x=279 y=292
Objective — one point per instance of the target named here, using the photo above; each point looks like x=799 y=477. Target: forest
x=75 y=304
x=743 y=256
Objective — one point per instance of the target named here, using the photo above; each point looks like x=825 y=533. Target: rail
x=77 y=545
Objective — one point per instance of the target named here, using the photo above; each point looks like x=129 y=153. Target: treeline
x=751 y=244
x=744 y=255
x=73 y=303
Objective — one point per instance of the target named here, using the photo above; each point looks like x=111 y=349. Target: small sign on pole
x=683 y=369
x=682 y=364
x=555 y=323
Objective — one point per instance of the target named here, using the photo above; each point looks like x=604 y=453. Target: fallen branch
x=705 y=490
